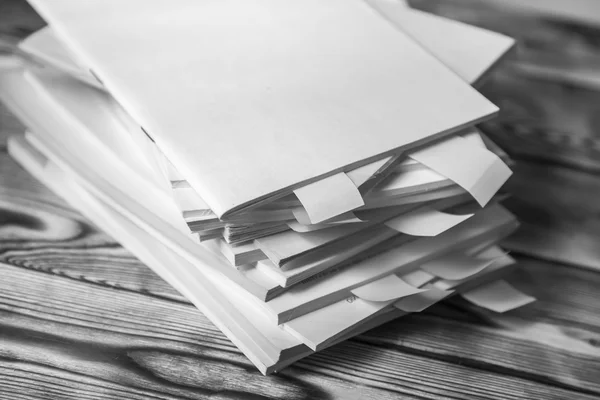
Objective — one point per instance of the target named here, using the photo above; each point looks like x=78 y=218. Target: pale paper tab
x=498 y=296
x=478 y=171
x=420 y=301
x=360 y=175
x=385 y=289
x=425 y=221
x=329 y=197
x=457 y=266
x=325 y=325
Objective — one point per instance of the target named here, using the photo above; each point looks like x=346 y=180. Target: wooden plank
x=159 y=346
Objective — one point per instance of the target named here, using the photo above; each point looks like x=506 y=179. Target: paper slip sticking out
x=425 y=221
x=498 y=296
x=457 y=266
x=455 y=157
x=329 y=197
x=385 y=289
x=420 y=301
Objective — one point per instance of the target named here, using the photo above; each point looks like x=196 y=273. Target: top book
x=253 y=99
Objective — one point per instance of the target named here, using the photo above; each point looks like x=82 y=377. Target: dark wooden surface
x=80 y=318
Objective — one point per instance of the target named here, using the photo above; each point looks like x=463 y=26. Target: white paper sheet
x=310 y=107
x=338 y=254
x=321 y=326
x=418 y=278
x=289 y=244
x=385 y=289
x=479 y=171
x=456 y=266
x=425 y=221
x=360 y=175
x=188 y=200
x=301 y=228
x=498 y=296
x=468 y=50
x=329 y=197
x=44 y=45
x=420 y=301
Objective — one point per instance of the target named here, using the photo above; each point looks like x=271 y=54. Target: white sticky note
x=420 y=301
x=329 y=197
x=456 y=266
x=425 y=221
x=385 y=289
x=479 y=171
x=498 y=296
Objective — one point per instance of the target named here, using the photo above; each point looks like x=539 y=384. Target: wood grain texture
x=81 y=318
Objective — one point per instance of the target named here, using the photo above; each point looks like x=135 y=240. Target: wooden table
x=80 y=318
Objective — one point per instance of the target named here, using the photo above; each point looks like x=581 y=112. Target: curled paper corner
x=498 y=296
x=328 y=198
x=385 y=289
x=425 y=221
x=454 y=158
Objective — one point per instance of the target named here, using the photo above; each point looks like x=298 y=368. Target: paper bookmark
x=385 y=289
x=498 y=296
x=329 y=197
x=420 y=301
x=425 y=221
x=456 y=266
x=479 y=171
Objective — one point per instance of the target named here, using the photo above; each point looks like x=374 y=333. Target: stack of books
x=300 y=171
